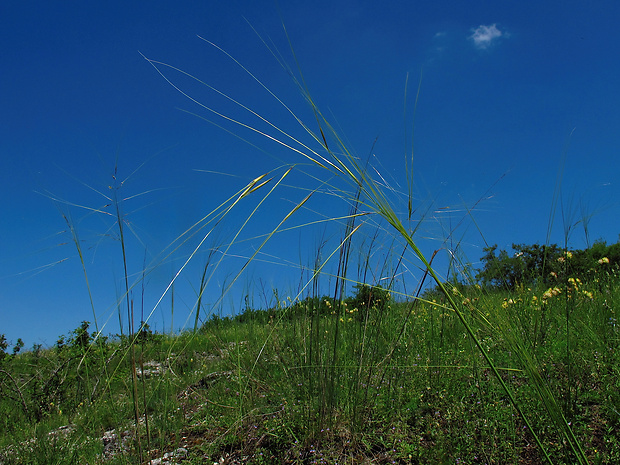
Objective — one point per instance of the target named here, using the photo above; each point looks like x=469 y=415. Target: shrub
x=370 y=297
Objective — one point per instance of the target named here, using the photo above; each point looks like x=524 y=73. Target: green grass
x=457 y=375
x=409 y=386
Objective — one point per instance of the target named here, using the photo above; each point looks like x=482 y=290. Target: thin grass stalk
x=415 y=300
x=130 y=317
x=560 y=419
x=409 y=165
x=172 y=310
x=364 y=338
x=339 y=292
x=203 y=286
x=568 y=303
x=134 y=388
x=143 y=343
x=315 y=318
x=120 y=222
x=372 y=337
x=76 y=241
x=200 y=294
x=314 y=281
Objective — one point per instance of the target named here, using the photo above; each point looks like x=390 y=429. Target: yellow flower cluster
x=347 y=310
x=508 y=302
x=551 y=292
x=468 y=302
x=572 y=288
x=573 y=285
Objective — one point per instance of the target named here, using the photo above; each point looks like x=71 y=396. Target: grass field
x=324 y=382
x=452 y=372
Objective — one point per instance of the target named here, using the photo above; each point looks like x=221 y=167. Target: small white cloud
x=484 y=36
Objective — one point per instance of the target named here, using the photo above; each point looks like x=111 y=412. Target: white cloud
x=484 y=36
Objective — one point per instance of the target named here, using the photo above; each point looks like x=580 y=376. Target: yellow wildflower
x=550 y=293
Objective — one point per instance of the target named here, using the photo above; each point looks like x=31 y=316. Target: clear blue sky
x=511 y=94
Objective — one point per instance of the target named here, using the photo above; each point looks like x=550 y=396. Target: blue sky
x=512 y=93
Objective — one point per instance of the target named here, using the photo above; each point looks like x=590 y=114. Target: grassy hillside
x=368 y=380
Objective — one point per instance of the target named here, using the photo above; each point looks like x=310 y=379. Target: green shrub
x=369 y=297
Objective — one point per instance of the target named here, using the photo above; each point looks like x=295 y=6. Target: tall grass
x=355 y=184
x=320 y=367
